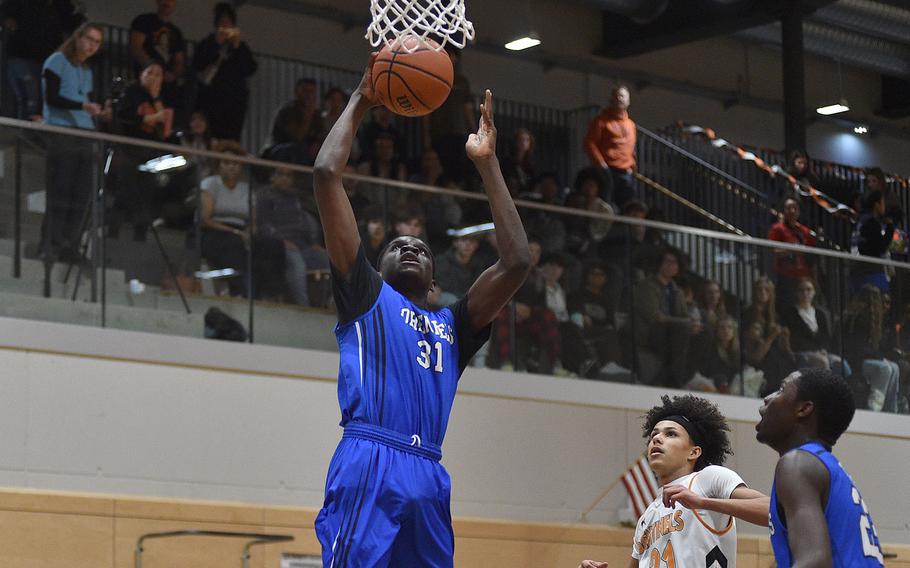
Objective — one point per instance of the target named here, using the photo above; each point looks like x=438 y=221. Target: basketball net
x=444 y=19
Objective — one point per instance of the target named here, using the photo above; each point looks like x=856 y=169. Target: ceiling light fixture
x=836 y=108
x=522 y=43
x=860 y=129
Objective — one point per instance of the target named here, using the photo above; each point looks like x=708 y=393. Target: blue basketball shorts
x=385 y=505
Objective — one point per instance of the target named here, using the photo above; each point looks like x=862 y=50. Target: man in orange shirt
x=610 y=143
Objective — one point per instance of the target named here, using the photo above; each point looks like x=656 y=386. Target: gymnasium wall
x=571 y=28
x=101 y=411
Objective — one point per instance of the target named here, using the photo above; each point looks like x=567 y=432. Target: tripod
x=97 y=216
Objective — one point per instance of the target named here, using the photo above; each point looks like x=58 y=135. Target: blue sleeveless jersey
x=854 y=542
x=399 y=367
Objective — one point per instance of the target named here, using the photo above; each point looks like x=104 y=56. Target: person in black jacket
x=223 y=62
x=872 y=237
x=811 y=337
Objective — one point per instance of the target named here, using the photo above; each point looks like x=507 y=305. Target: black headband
x=694 y=431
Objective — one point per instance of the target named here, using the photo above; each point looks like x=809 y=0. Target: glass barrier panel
x=174 y=230
x=48 y=260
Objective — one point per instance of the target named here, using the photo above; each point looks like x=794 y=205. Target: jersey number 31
x=425 y=355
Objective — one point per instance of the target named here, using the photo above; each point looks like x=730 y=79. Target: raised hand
x=482 y=145
x=592 y=564
x=366 y=83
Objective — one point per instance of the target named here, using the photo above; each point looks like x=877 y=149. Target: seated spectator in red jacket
x=790 y=266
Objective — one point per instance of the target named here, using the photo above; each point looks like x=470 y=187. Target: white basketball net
x=443 y=18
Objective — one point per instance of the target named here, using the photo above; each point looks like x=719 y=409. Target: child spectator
x=223 y=63
x=722 y=362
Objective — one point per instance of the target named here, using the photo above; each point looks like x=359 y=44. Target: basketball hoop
x=443 y=19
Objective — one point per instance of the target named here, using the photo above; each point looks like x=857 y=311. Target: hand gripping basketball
x=482 y=145
x=366 y=90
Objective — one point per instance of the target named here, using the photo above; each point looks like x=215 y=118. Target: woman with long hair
x=864 y=349
x=68 y=86
x=766 y=342
x=723 y=361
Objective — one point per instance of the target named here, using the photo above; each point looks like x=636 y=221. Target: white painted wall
x=569 y=27
x=109 y=411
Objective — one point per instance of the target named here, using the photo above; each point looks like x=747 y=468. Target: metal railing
x=254 y=539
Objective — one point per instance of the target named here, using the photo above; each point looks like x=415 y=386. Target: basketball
x=411 y=77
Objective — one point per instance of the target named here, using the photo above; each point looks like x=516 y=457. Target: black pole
x=249 y=276
x=17 y=213
x=794 y=78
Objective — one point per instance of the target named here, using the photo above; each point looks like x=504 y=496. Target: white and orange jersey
x=685 y=538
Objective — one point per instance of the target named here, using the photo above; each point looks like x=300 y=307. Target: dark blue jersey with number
x=854 y=542
x=400 y=366
x=387 y=496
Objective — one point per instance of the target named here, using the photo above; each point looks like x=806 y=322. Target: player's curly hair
x=706 y=418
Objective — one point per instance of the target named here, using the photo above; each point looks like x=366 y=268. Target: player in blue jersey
x=387 y=496
x=813 y=496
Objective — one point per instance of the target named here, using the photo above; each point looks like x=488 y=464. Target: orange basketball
x=415 y=83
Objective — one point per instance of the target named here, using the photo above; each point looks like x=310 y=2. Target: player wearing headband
x=691 y=523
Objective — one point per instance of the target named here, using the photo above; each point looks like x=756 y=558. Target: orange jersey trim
x=711 y=529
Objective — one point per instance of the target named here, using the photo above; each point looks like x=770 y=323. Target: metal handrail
x=681 y=151
x=557 y=209
x=256 y=538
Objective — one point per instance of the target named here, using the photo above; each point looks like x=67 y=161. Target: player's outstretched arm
x=802 y=487
x=342 y=240
x=495 y=287
x=744 y=503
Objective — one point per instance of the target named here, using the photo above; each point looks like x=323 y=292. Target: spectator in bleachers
x=385 y=162
x=34 y=29
x=592 y=309
x=583 y=234
x=767 y=343
x=811 y=332
x=872 y=236
x=223 y=63
x=141 y=113
x=712 y=306
x=442 y=212
x=409 y=222
x=297 y=128
x=374 y=235
x=863 y=348
x=546 y=189
x=198 y=137
x=229 y=228
x=67 y=81
x=662 y=326
x=800 y=167
x=382 y=123
x=791 y=266
x=622 y=250
x=446 y=129
x=155 y=37
x=610 y=143
x=457 y=269
x=576 y=358
x=518 y=166
x=722 y=361
x=280 y=215
x=537 y=338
